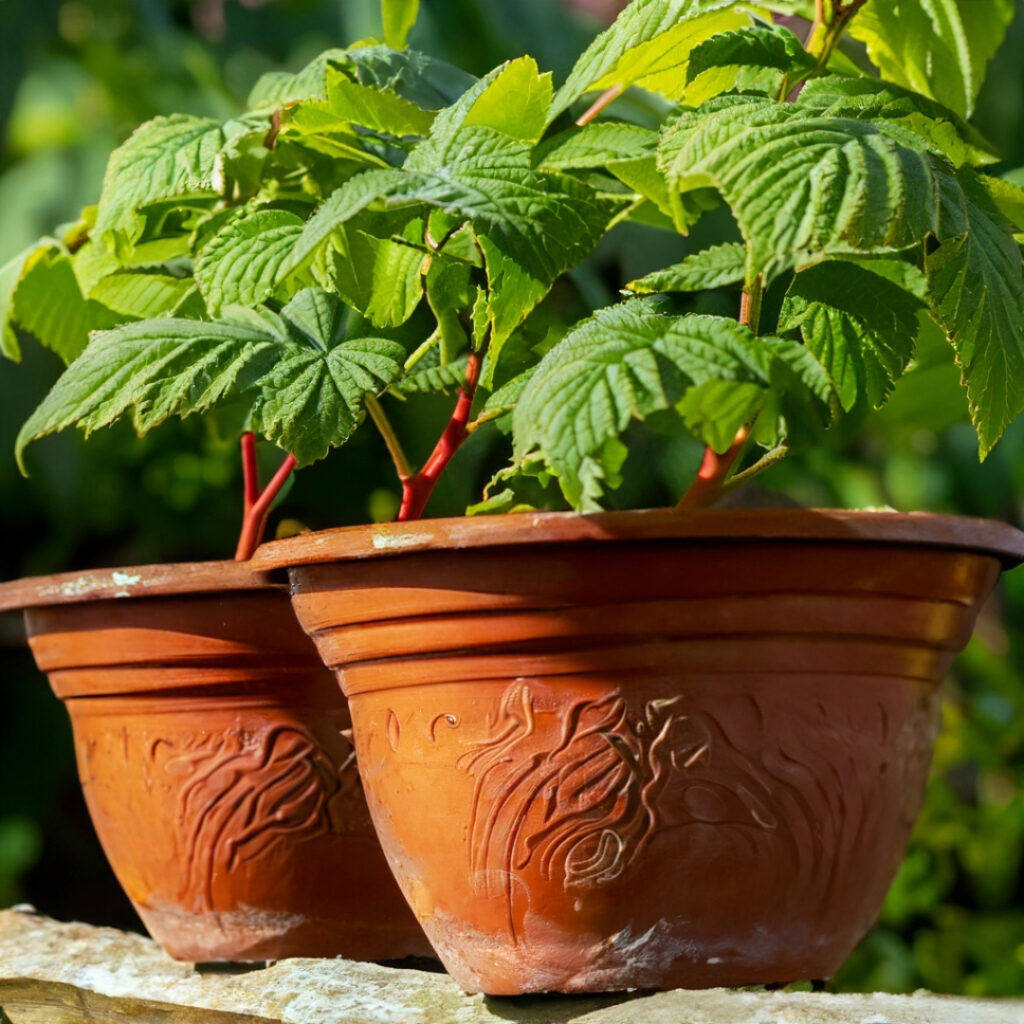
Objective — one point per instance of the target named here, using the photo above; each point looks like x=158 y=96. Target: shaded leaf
x=860 y=326
x=710 y=268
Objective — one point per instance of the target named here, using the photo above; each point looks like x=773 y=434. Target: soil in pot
x=641 y=749
x=216 y=760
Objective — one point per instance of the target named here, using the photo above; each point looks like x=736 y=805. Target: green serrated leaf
x=433 y=380
x=1008 y=197
x=596 y=145
x=710 y=268
x=379 y=276
x=167 y=157
x=307 y=383
x=757 y=46
x=629 y=361
x=11 y=274
x=381 y=110
x=649 y=45
x=904 y=115
x=803 y=186
x=398 y=16
x=976 y=282
x=938 y=47
x=515 y=102
x=860 y=326
x=241 y=263
x=49 y=305
x=140 y=295
x=276 y=88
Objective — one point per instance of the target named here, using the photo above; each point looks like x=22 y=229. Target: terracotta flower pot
x=215 y=756
x=642 y=749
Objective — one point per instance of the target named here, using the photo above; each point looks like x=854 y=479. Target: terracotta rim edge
x=134 y=581
x=383 y=540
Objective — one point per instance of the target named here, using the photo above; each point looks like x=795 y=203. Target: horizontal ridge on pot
x=215 y=757
x=608 y=759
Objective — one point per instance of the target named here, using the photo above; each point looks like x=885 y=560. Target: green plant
x=381 y=226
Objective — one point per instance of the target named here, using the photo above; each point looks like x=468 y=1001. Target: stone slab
x=53 y=973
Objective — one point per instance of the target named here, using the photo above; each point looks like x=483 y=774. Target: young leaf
x=307 y=383
x=860 y=326
x=381 y=110
x=756 y=46
x=398 y=16
x=168 y=157
x=627 y=362
x=240 y=264
x=433 y=380
x=277 y=88
x=649 y=45
x=939 y=48
x=802 y=186
x=596 y=145
x=515 y=103
x=976 y=281
x=378 y=276
x=711 y=268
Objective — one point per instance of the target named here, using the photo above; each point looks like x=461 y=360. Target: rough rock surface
x=53 y=973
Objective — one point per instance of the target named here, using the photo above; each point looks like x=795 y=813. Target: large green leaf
x=629 y=361
x=240 y=264
x=936 y=47
x=860 y=326
x=49 y=305
x=11 y=274
x=976 y=283
x=801 y=185
x=139 y=295
x=649 y=45
x=307 y=383
x=168 y=157
x=710 y=268
x=909 y=118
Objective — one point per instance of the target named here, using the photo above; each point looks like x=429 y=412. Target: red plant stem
x=250 y=474
x=416 y=489
x=256 y=505
x=714 y=470
x=599 y=104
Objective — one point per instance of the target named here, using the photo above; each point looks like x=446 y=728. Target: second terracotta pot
x=644 y=750
x=216 y=760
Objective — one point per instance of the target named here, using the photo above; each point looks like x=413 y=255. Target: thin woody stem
x=257 y=503
x=599 y=104
x=417 y=489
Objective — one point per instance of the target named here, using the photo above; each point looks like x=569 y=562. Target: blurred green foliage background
x=76 y=77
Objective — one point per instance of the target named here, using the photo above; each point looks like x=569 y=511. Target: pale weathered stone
x=54 y=973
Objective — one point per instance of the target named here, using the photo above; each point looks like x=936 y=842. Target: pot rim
x=387 y=540
x=137 y=581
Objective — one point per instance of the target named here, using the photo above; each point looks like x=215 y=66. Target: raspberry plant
x=273 y=266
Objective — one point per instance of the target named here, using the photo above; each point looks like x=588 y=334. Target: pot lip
x=387 y=540
x=136 y=581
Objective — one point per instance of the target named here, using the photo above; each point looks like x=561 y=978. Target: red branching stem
x=256 y=505
x=713 y=472
x=250 y=474
x=599 y=104
x=416 y=489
